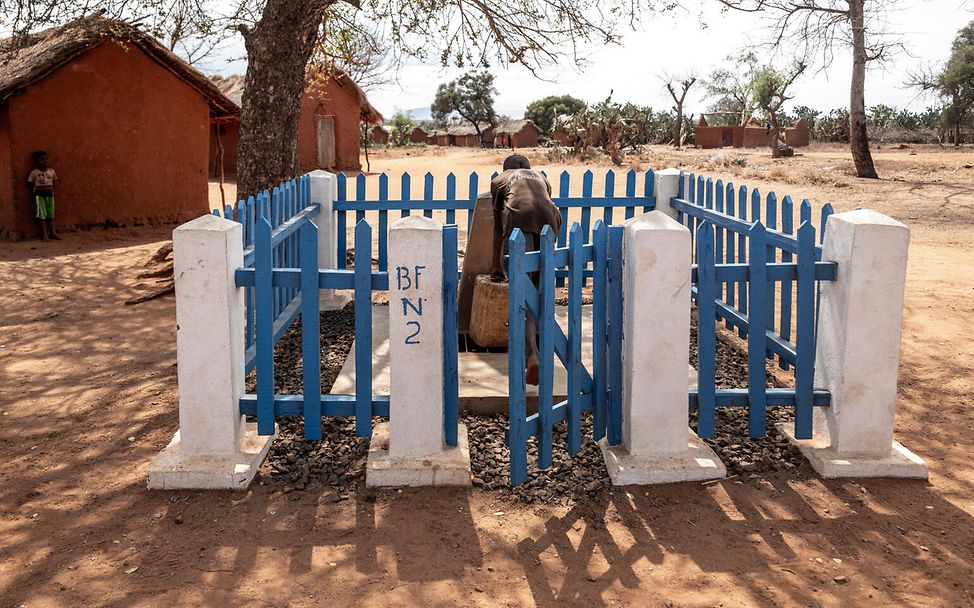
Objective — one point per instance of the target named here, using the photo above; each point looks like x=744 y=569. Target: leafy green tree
x=769 y=89
x=543 y=111
x=470 y=97
x=882 y=116
x=402 y=129
x=731 y=85
x=954 y=83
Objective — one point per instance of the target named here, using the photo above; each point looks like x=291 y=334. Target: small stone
x=288 y=488
x=591 y=578
x=478 y=589
x=177 y=520
x=840 y=580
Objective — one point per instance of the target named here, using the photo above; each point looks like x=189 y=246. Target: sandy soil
x=90 y=398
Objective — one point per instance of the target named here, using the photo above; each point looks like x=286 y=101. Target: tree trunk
x=957 y=133
x=775 y=131
x=858 y=137
x=278 y=50
x=678 y=128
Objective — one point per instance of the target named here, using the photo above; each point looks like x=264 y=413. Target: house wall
x=329 y=99
x=756 y=137
x=7 y=175
x=526 y=138
x=798 y=136
x=380 y=136
x=230 y=138
x=418 y=136
x=129 y=141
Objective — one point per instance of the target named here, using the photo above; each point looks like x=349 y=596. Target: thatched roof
x=464 y=130
x=233 y=87
x=27 y=59
x=516 y=126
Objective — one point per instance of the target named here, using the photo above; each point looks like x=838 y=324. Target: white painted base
x=336 y=301
x=172 y=470
x=699 y=463
x=899 y=462
x=451 y=468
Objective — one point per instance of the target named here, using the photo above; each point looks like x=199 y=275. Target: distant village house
x=751 y=135
x=517 y=134
x=333 y=109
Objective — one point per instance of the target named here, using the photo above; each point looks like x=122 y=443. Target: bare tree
x=818 y=27
x=683 y=84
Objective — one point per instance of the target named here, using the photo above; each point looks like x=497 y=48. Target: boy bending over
x=522 y=199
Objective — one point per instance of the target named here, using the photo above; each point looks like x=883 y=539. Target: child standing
x=41 y=182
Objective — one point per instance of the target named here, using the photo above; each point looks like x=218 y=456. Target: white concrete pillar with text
x=666 y=185
x=410 y=449
x=214 y=448
x=858 y=350
x=324 y=186
x=657 y=444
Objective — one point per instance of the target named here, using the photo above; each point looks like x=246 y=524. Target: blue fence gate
x=597 y=388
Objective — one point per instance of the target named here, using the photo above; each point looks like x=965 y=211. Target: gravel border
x=339 y=459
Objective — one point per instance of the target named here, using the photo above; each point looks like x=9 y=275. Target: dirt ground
x=90 y=398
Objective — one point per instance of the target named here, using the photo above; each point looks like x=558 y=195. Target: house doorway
x=326 y=142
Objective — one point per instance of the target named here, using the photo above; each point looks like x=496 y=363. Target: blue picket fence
x=285 y=208
x=636 y=197
x=750 y=275
x=282 y=280
x=598 y=389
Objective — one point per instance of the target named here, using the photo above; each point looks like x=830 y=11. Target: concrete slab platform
x=899 y=462
x=699 y=463
x=449 y=468
x=173 y=470
x=483 y=381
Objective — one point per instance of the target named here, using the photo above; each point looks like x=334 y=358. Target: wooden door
x=326 y=142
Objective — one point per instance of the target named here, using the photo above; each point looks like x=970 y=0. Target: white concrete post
x=658 y=446
x=214 y=447
x=858 y=350
x=666 y=185
x=410 y=449
x=324 y=186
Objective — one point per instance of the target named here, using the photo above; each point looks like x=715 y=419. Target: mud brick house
x=333 y=109
x=419 y=136
x=752 y=135
x=517 y=134
x=125 y=121
x=380 y=135
x=466 y=136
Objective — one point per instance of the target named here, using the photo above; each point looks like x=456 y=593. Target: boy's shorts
x=44 y=206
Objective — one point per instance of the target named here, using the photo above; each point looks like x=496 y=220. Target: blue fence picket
x=706 y=330
x=405 y=192
x=805 y=332
x=610 y=191
x=599 y=336
x=383 y=225
x=360 y=196
x=546 y=346
x=310 y=332
x=719 y=236
x=517 y=435
x=576 y=268
x=564 y=190
x=614 y=322
x=742 y=257
x=451 y=397
x=264 y=309
x=730 y=249
x=587 y=179
x=630 y=192
x=756 y=337
x=771 y=215
x=472 y=194
x=709 y=200
x=784 y=323
x=363 y=329
x=428 y=192
x=341 y=236
x=649 y=187
x=451 y=195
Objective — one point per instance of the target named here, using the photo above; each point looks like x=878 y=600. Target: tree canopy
x=470 y=97
x=544 y=111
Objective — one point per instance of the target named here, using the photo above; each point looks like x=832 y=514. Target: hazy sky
x=679 y=42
